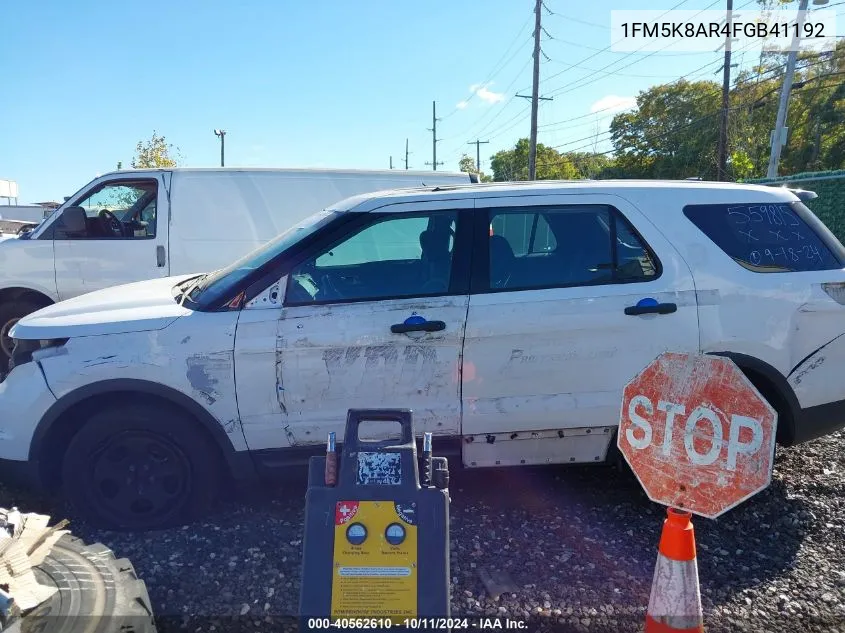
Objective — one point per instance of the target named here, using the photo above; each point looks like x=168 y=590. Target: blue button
x=648 y=302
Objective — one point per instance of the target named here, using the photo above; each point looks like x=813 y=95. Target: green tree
x=467 y=165
x=155 y=152
x=592 y=165
x=512 y=164
x=671 y=134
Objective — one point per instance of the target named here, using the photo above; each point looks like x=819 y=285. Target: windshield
x=216 y=285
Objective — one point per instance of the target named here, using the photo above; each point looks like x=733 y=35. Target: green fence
x=829 y=185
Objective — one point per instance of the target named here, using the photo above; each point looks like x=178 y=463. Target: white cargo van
x=133 y=225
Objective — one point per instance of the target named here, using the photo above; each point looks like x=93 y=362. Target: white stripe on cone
x=675 y=596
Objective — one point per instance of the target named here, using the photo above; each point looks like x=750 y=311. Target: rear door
x=572 y=296
x=372 y=318
x=133 y=247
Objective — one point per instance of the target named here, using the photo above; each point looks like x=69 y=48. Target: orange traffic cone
x=675 y=603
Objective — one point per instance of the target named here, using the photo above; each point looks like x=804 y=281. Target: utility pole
x=222 y=135
x=406 y=154
x=778 y=135
x=478 y=145
x=722 y=152
x=535 y=92
x=434 y=139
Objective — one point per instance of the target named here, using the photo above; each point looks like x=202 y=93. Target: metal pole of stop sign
x=700 y=439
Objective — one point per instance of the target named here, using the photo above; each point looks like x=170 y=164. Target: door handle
x=657 y=308
x=426 y=326
x=160 y=256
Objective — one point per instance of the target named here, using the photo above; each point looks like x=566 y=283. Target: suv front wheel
x=138 y=466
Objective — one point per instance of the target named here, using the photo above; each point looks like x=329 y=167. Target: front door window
x=392 y=257
x=114 y=210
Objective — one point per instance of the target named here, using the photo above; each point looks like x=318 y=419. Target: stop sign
x=696 y=433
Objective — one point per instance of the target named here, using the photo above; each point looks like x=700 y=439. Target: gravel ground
x=579 y=545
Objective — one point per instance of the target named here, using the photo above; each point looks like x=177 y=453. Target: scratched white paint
x=24 y=399
x=815 y=381
x=328 y=359
x=193 y=356
x=559 y=358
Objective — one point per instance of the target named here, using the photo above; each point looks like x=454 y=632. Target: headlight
x=27 y=350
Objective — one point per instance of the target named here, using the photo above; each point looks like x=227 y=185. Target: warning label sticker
x=374 y=571
x=375 y=561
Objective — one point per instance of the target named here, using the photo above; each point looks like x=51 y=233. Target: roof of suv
x=705 y=189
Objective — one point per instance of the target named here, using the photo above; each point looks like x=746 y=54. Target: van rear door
x=114 y=232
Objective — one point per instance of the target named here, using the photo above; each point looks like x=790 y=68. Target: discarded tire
x=97 y=593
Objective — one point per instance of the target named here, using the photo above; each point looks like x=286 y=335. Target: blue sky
x=321 y=83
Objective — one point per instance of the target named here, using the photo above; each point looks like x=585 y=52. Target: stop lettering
x=696 y=433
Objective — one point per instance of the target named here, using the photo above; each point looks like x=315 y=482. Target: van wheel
x=11 y=313
x=140 y=467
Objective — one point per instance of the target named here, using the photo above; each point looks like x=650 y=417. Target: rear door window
x=766 y=237
x=558 y=247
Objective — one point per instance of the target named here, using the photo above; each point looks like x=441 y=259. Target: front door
x=552 y=338
x=373 y=318
x=118 y=235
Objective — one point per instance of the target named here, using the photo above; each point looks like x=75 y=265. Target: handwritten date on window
x=773 y=233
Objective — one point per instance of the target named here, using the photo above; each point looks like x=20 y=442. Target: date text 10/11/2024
x=425 y=624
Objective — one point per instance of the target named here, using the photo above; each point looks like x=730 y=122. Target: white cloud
x=488 y=95
x=483 y=92
x=613 y=103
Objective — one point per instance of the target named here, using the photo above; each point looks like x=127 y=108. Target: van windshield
x=217 y=285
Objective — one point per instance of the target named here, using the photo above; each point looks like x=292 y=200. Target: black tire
x=96 y=593
x=10 y=313
x=615 y=459
x=140 y=466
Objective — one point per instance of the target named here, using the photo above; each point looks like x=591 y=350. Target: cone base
x=653 y=626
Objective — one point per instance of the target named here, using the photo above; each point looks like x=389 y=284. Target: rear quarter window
x=766 y=237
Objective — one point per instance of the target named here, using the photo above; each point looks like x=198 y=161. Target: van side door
x=115 y=232
x=572 y=295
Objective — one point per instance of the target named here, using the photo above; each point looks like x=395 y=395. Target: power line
x=498 y=67
x=473 y=129
x=607 y=48
x=580 y=83
x=755 y=103
x=688 y=75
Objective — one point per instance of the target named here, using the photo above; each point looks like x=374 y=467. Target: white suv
x=507 y=316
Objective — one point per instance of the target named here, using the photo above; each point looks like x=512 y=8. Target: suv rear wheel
x=138 y=466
